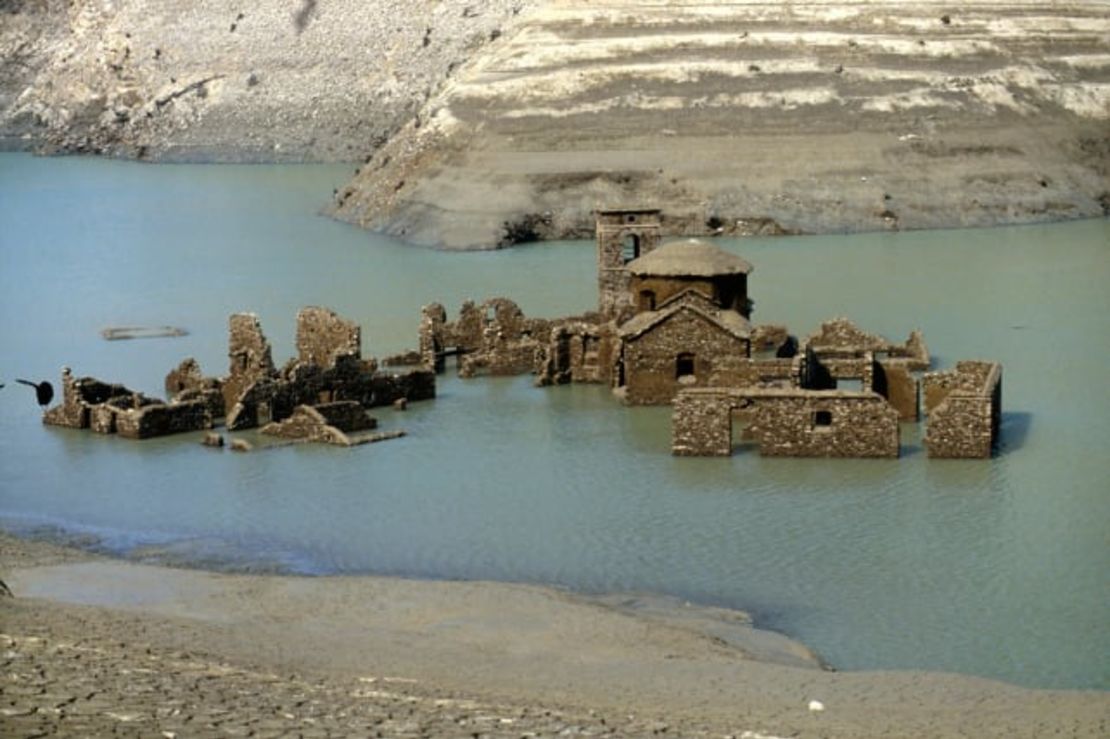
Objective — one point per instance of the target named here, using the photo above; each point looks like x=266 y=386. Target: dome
x=688 y=258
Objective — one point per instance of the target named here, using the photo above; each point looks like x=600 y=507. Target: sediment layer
x=756 y=117
x=204 y=80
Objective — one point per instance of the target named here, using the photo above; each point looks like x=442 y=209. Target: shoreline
x=460 y=658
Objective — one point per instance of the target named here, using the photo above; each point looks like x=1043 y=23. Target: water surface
x=995 y=568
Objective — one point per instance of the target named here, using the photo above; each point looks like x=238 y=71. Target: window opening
x=630 y=249
x=684 y=366
x=822 y=419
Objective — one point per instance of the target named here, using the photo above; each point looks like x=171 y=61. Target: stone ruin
x=88 y=403
x=321 y=395
x=341 y=423
x=673 y=326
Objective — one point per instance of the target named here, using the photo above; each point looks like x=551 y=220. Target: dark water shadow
x=1013 y=431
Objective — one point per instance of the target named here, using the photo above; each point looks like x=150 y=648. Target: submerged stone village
x=673 y=326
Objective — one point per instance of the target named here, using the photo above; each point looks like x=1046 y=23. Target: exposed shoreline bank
x=478 y=127
x=443 y=658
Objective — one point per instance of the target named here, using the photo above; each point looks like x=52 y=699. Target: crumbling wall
x=773 y=338
x=579 y=351
x=823 y=423
x=249 y=356
x=701 y=423
x=895 y=381
x=840 y=337
x=162 y=420
x=105 y=408
x=187 y=382
x=323 y=337
x=965 y=410
x=328 y=423
x=793 y=423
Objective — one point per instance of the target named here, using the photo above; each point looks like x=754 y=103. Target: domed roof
x=688 y=258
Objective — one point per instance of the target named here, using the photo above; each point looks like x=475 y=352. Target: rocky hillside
x=210 y=80
x=740 y=117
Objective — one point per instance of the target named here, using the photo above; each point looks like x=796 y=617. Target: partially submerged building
x=326 y=389
x=673 y=325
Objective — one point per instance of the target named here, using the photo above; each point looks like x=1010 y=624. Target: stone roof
x=729 y=321
x=689 y=258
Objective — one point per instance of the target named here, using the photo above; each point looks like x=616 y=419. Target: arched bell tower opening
x=623 y=234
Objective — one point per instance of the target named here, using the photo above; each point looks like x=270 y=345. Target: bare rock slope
x=206 y=80
x=741 y=117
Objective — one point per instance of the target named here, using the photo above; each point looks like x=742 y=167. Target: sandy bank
x=95 y=645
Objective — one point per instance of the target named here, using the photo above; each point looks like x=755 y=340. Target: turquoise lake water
x=996 y=568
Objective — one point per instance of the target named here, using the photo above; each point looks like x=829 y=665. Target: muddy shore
x=96 y=646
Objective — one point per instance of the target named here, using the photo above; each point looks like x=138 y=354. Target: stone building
x=323 y=392
x=674 y=326
x=688 y=341
x=106 y=408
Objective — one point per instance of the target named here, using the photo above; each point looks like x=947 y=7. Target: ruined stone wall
x=614 y=228
x=969 y=377
x=788 y=424
x=161 y=420
x=323 y=337
x=579 y=351
x=793 y=423
x=965 y=419
x=894 y=380
x=841 y=368
x=328 y=423
x=701 y=423
x=249 y=354
x=840 y=337
x=770 y=337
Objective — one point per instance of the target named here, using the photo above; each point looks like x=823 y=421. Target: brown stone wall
x=249 y=354
x=795 y=423
x=666 y=288
x=769 y=337
x=323 y=336
x=895 y=381
x=966 y=413
x=720 y=359
x=860 y=425
x=969 y=377
x=701 y=423
x=152 y=421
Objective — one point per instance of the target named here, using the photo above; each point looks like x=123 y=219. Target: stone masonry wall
x=323 y=337
x=249 y=356
x=965 y=422
x=786 y=424
x=613 y=228
x=720 y=359
x=793 y=423
x=701 y=423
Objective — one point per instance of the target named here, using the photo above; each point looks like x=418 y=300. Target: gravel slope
x=206 y=80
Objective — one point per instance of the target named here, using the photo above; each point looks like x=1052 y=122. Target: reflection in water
x=995 y=568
